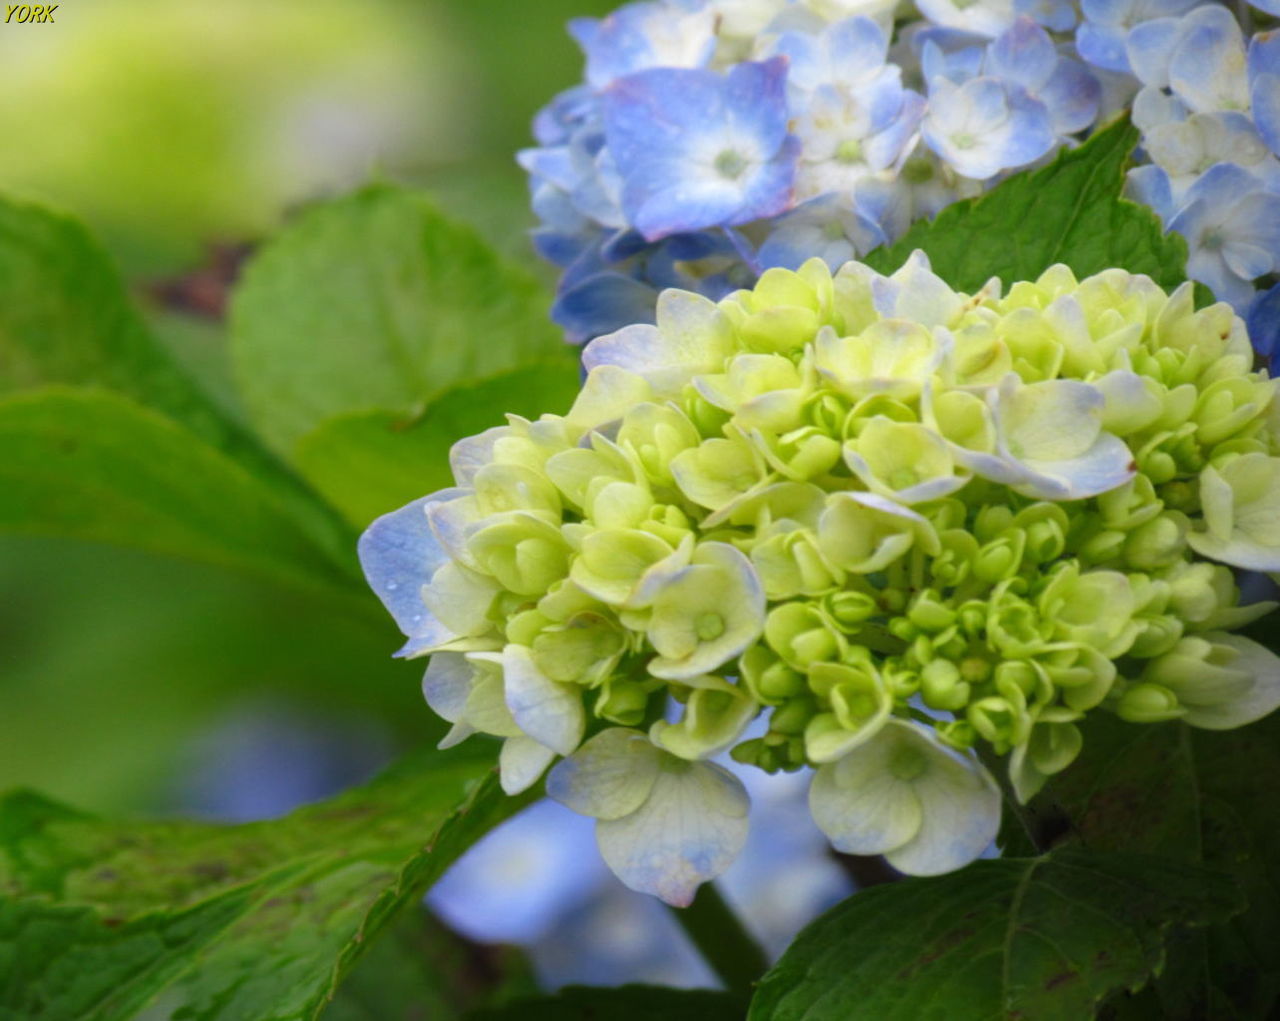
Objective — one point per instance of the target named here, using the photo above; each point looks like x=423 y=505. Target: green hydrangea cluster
x=902 y=525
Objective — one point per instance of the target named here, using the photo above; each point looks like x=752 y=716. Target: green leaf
x=368 y=463
x=310 y=891
x=1038 y=939
x=1202 y=797
x=1070 y=211
x=419 y=969
x=624 y=1003
x=65 y=318
x=90 y=464
x=376 y=302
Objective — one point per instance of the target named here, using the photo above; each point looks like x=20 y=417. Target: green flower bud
x=1158 y=543
x=583 y=651
x=524 y=553
x=929 y=613
x=768 y=678
x=623 y=702
x=849 y=609
x=802 y=635
x=1001 y=558
x=654 y=434
x=1045 y=526
x=959 y=734
x=999 y=721
x=1130 y=505
x=941 y=686
x=793 y=715
x=1148 y=703
x=1157 y=635
x=714 y=717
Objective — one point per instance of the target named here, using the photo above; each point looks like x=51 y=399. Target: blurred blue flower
x=1263 y=68
x=1055 y=15
x=1025 y=55
x=986 y=125
x=830 y=227
x=1102 y=35
x=1232 y=227
x=644 y=35
x=699 y=149
x=1264 y=325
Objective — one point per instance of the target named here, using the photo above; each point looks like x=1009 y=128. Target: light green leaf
x=90 y=464
x=625 y=1003
x=65 y=318
x=1039 y=939
x=1070 y=211
x=376 y=302
x=368 y=463
x=302 y=895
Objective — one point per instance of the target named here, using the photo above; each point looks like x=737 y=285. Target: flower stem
x=722 y=940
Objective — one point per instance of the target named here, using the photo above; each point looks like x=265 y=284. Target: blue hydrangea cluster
x=714 y=139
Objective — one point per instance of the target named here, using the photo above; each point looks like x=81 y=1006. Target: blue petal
x=603 y=303
x=1072 y=96
x=1150 y=185
x=1264 y=86
x=399 y=555
x=1024 y=54
x=1150 y=46
x=1203 y=71
x=1264 y=323
x=1102 y=46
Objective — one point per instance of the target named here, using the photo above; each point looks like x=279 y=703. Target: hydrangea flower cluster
x=1209 y=111
x=904 y=533
x=715 y=139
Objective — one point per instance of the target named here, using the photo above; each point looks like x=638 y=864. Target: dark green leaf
x=368 y=463
x=312 y=890
x=1203 y=797
x=1070 y=211
x=418 y=969
x=377 y=303
x=1042 y=939
x=625 y=1003
x=93 y=465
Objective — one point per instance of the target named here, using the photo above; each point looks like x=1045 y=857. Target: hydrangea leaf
x=90 y=464
x=1202 y=796
x=66 y=318
x=265 y=918
x=369 y=462
x=1070 y=211
x=1045 y=937
x=377 y=302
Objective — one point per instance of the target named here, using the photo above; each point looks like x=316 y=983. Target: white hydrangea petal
x=961 y=805
x=546 y=710
x=609 y=776
x=1261 y=699
x=861 y=806
x=608 y=393
x=520 y=763
x=1105 y=466
x=447 y=683
x=692 y=336
x=460 y=598
x=688 y=831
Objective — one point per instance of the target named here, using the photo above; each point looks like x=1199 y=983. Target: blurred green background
x=179 y=131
